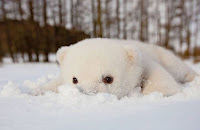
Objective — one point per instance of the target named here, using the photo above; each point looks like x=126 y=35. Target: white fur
x=127 y=61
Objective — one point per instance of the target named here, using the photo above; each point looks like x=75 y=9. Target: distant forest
x=30 y=28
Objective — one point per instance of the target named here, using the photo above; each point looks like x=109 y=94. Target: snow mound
x=72 y=98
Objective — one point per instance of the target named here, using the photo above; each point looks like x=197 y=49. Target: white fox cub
x=118 y=66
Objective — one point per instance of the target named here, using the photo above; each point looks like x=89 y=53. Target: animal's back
x=174 y=65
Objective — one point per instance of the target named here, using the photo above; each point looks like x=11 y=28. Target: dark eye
x=108 y=80
x=75 y=80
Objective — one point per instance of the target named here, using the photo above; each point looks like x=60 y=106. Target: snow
x=20 y=109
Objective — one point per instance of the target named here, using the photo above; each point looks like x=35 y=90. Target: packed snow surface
x=21 y=109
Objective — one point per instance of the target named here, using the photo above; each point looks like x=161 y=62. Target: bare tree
x=20 y=10
x=72 y=13
x=44 y=12
x=46 y=49
x=118 y=18
x=125 y=19
x=143 y=33
x=99 y=22
x=94 y=21
x=158 y=24
x=60 y=6
x=8 y=36
x=188 y=20
x=3 y=9
x=197 y=22
x=167 y=25
x=37 y=15
x=76 y=14
x=181 y=15
x=107 y=18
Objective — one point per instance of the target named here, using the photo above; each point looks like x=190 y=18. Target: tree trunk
x=30 y=59
x=167 y=25
x=46 y=50
x=125 y=19
x=72 y=13
x=117 y=18
x=60 y=13
x=31 y=17
x=100 y=31
x=108 y=20
x=141 y=33
x=20 y=9
x=94 y=22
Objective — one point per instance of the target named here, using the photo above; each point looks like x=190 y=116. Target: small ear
x=61 y=54
x=132 y=53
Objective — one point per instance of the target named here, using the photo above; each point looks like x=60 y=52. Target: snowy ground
x=70 y=109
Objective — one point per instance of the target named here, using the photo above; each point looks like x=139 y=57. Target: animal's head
x=100 y=65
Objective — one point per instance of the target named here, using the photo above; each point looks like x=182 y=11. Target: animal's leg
x=52 y=85
x=158 y=79
x=177 y=68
